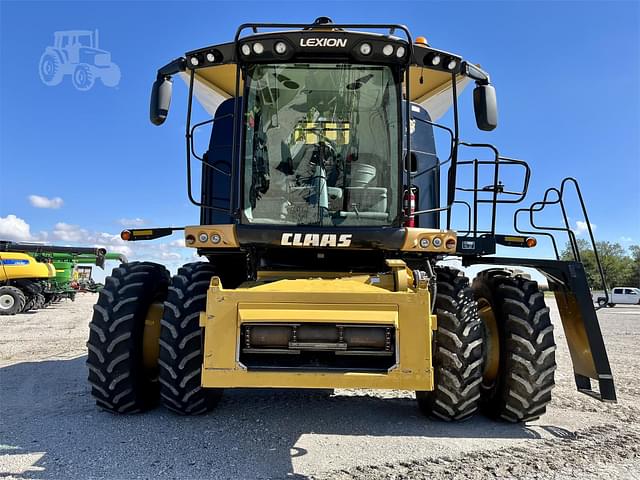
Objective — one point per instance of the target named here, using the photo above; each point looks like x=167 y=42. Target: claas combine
x=324 y=221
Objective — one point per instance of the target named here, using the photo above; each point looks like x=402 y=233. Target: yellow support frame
x=338 y=300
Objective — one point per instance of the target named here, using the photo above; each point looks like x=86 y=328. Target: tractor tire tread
x=457 y=355
x=180 y=341
x=20 y=301
x=528 y=348
x=114 y=360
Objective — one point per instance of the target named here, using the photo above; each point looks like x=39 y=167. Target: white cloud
x=626 y=239
x=132 y=222
x=44 y=202
x=581 y=227
x=14 y=228
x=70 y=233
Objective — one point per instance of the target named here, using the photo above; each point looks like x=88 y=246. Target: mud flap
x=588 y=353
x=568 y=281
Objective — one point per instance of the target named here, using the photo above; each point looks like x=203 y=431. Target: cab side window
x=617 y=291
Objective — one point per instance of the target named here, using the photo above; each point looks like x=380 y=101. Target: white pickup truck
x=619 y=295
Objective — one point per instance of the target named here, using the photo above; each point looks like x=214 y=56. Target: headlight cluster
x=437 y=243
x=203 y=237
x=258 y=48
x=436 y=59
x=387 y=50
x=205 y=58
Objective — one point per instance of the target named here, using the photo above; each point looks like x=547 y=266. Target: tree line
x=621 y=266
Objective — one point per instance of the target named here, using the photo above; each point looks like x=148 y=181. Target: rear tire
x=29 y=304
x=181 y=342
x=119 y=382
x=457 y=357
x=12 y=300
x=40 y=301
x=520 y=389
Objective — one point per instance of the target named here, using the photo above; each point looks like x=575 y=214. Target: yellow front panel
x=317 y=301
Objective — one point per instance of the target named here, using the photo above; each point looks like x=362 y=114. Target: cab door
x=631 y=296
x=617 y=296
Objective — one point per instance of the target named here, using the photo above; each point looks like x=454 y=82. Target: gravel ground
x=50 y=427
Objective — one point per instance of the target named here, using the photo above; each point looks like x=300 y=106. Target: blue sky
x=566 y=74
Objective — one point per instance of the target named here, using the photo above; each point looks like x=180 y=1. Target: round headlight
x=365 y=48
x=435 y=60
x=437 y=242
x=280 y=48
x=246 y=49
x=203 y=237
x=258 y=48
x=452 y=64
x=211 y=57
x=194 y=61
x=215 y=238
x=388 y=50
x=424 y=242
x=400 y=52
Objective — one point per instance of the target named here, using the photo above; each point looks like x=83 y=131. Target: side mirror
x=160 y=100
x=485 y=107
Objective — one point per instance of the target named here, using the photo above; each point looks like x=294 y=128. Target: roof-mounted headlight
x=365 y=48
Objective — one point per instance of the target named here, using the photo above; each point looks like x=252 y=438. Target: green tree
x=634 y=278
x=618 y=267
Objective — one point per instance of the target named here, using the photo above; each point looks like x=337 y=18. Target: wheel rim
x=7 y=301
x=492 y=341
x=151 y=336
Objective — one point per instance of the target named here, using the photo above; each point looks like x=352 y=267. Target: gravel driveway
x=50 y=427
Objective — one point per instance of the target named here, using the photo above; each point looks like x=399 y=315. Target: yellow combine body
x=22 y=266
x=396 y=316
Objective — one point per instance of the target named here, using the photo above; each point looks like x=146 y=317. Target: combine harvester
x=34 y=275
x=322 y=228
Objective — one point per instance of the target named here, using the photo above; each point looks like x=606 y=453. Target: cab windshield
x=321 y=145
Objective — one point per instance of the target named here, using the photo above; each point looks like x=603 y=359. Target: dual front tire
x=493 y=349
x=127 y=372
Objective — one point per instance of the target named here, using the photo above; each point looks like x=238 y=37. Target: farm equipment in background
x=60 y=262
x=23 y=282
x=321 y=229
x=76 y=53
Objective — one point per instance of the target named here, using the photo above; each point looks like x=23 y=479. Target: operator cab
x=321 y=129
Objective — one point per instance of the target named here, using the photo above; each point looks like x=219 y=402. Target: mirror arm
x=476 y=73
x=173 y=67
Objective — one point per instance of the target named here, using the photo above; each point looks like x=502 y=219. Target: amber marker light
x=125 y=235
x=190 y=240
x=531 y=242
x=450 y=243
x=421 y=41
